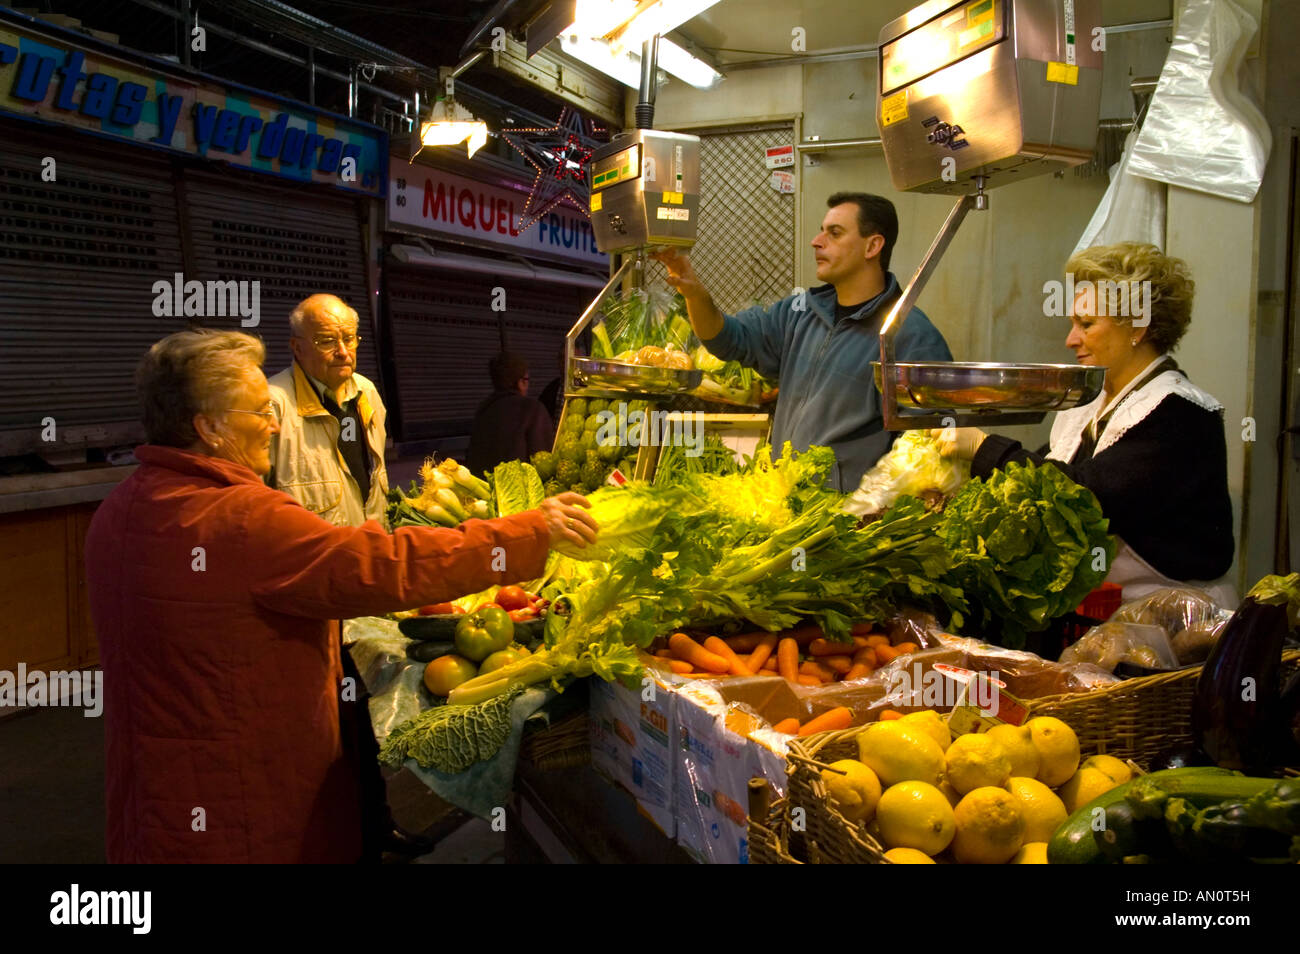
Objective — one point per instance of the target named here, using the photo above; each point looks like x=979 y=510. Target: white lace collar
x=1068 y=428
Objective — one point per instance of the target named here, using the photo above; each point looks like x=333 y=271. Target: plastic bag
x=1202 y=131
x=914 y=467
x=1191 y=620
x=1132 y=210
x=647 y=326
x=1112 y=643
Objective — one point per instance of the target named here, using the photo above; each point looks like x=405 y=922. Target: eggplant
x=1235 y=707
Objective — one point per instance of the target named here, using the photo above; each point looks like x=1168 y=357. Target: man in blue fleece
x=820 y=345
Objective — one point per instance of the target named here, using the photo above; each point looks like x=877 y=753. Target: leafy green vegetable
x=913 y=465
x=1027 y=546
x=518 y=487
x=627 y=517
x=451 y=738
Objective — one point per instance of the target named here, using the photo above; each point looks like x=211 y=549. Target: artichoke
x=544 y=463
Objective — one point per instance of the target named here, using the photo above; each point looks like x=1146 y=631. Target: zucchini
x=1074 y=844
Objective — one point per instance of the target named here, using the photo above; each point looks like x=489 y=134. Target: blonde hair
x=1172 y=288
x=188 y=373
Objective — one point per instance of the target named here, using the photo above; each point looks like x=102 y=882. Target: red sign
x=778 y=156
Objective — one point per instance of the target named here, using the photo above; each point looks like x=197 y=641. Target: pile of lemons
x=983 y=798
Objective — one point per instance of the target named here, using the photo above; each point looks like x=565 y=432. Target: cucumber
x=1127 y=834
x=1074 y=844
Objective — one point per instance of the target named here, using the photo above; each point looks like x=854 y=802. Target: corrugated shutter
x=78 y=258
x=295 y=241
x=443 y=331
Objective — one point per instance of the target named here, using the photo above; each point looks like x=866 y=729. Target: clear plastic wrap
x=1191 y=620
x=1132 y=210
x=645 y=326
x=1202 y=131
x=1113 y=643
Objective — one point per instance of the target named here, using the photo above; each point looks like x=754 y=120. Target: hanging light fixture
x=607 y=34
x=450 y=123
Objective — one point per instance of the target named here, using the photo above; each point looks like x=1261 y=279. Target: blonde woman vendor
x=1151 y=446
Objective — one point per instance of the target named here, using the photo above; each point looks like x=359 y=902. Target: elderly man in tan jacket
x=329 y=454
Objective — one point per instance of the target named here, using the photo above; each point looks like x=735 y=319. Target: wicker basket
x=1136 y=719
x=564 y=744
x=769 y=840
x=832 y=838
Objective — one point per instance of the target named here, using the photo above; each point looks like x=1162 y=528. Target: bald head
x=324 y=338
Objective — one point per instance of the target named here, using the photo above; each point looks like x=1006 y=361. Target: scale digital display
x=619 y=167
x=953 y=36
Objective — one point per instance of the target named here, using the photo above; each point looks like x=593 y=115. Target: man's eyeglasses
x=328 y=344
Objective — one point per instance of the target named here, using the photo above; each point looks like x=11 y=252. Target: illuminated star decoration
x=560 y=154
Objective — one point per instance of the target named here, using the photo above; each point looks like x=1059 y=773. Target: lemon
x=915 y=815
x=1031 y=853
x=854 y=793
x=908 y=856
x=1083 y=786
x=900 y=753
x=1058 y=750
x=1044 y=812
x=932 y=724
x=950 y=793
x=1018 y=742
x=1109 y=765
x=975 y=761
x=990 y=827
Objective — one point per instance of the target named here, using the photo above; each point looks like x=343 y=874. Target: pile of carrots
x=802 y=656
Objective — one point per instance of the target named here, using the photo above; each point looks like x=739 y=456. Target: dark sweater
x=1163 y=485
x=507 y=426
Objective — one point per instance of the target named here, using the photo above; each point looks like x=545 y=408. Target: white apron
x=1129 y=570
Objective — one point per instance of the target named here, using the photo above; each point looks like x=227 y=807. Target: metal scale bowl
x=978 y=93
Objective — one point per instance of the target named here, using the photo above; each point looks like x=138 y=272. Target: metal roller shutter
x=442 y=331
x=78 y=258
x=295 y=241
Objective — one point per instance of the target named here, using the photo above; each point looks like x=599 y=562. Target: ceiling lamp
x=450 y=124
x=608 y=34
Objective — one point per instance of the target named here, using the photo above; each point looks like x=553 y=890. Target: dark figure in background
x=508 y=425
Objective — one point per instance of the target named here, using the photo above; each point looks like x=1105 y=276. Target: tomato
x=512 y=598
x=500 y=658
x=447 y=672
x=523 y=615
x=440 y=609
x=484 y=632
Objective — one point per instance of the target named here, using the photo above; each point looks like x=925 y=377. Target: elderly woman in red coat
x=212 y=595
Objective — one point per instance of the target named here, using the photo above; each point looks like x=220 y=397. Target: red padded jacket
x=212 y=597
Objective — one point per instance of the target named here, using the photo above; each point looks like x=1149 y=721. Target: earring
x=1134 y=342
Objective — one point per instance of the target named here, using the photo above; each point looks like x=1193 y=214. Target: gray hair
x=188 y=373
x=309 y=306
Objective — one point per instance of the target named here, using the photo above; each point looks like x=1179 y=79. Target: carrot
x=860 y=642
x=904 y=648
x=809 y=680
x=680 y=666
x=838 y=664
x=736 y=665
x=811 y=668
x=803 y=635
x=691 y=651
x=787 y=726
x=787 y=659
x=866 y=657
x=888 y=714
x=878 y=640
x=858 y=671
x=863 y=629
x=746 y=642
x=762 y=653
x=664 y=653
x=886 y=654
x=820 y=647
x=837 y=718
x=770 y=665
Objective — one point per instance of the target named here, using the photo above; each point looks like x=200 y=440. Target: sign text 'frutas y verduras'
x=71 y=82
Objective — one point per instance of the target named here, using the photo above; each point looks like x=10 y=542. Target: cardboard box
x=631 y=744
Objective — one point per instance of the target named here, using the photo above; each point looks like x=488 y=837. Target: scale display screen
x=964 y=30
x=619 y=167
